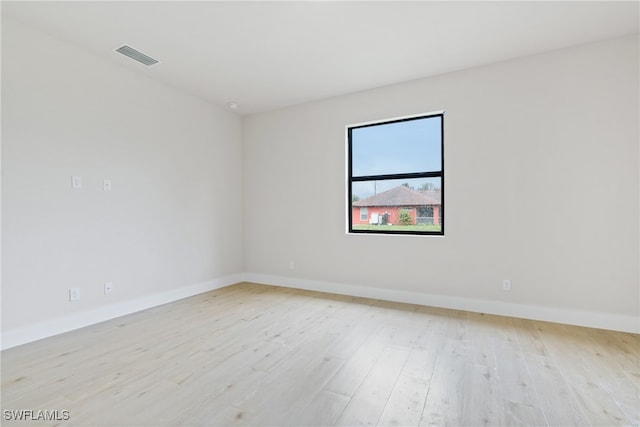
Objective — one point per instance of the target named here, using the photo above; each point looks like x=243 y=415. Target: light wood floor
x=259 y=355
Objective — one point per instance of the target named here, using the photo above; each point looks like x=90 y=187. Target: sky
x=400 y=147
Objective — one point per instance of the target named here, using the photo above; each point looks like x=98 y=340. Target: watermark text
x=35 y=415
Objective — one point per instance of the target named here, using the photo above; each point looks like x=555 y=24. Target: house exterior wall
x=436 y=215
x=380 y=210
x=394 y=214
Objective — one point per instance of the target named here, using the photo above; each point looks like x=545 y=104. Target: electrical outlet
x=74 y=294
x=106 y=185
x=506 y=285
x=291 y=265
x=108 y=287
x=76 y=182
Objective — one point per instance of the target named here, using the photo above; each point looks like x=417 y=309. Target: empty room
x=332 y=213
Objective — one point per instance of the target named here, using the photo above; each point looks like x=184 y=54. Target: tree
x=406 y=184
x=354 y=198
x=404 y=217
x=427 y=186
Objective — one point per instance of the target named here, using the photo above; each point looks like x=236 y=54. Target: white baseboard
x=567 y=316
x=81 y=319
x=616 y=322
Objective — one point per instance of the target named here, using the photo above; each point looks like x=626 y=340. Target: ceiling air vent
x=138 y=56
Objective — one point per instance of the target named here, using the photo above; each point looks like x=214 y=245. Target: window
x=396 y=172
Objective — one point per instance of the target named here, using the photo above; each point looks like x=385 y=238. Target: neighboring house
x=423 y=206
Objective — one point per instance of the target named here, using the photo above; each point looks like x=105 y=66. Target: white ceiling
x=267 y=55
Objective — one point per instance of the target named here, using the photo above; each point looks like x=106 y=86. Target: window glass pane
x=364 y=214
x=398 y=205
x=399 y=147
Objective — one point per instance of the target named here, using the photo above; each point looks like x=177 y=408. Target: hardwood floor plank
x=323 y=410
x=480 y=400
x=444 y=404
x=555 y=395
x=406 y=402
x=352 y=373
x=368 y=402
x=591 y=393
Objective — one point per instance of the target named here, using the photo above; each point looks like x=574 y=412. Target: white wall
x=171 y=226
x=542 y=187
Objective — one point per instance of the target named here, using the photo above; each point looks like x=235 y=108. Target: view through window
x=396 y=176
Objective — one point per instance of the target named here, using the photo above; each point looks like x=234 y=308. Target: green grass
x=421 y=227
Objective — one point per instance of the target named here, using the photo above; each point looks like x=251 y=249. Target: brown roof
x=401 y=196
x=433 y=195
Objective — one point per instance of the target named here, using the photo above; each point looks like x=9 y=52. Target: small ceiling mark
x=136 y=55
